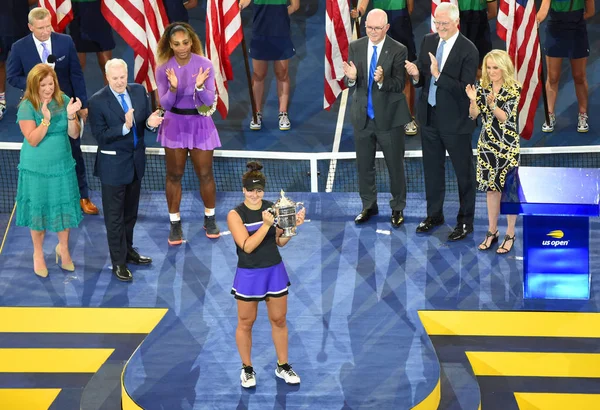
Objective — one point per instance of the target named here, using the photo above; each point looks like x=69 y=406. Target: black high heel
x=483 y=246
x=501 y=249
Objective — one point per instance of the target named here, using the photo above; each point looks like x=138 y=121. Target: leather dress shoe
x=365 y=214
x=397 y=218
x=134 y=257
x=460 y=232
x=429 y=223
x=88 y=206
x=122 y=273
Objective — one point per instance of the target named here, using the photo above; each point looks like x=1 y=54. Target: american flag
x=434 y=4
x=61 y=13
x=140 y=23
x=338 y=32
x=517 y=26
x=223 y=34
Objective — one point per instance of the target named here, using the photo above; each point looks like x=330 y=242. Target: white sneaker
x=2 y=109
x=286 y=373
x=255 y=126
x=582 y=124
x=410 y=128
x=549 y=127
x=284 y=121
x=248 y=377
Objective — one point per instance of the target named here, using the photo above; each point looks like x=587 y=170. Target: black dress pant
x=435 y=142
x=120 y=204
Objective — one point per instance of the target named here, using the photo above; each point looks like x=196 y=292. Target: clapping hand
x=378 y=76
x=201 y=77
x=434 y=67
x=411 y=68
x=73 y=106
x=129 y=118
x=45 y=111
x=349 y=70
x=491 y=99
x=173 y=82
x=155 y=119
x=471 y=92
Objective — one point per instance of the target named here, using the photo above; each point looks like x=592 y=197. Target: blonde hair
x=164 y=51
x=32 y=91
x=504 y=63
x=38 y=13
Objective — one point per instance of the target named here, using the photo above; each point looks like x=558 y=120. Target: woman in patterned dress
x=496 y=98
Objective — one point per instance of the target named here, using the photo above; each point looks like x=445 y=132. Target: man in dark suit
x=447 y=63
x=118 y=113
x=375 y=69
x=45 y=46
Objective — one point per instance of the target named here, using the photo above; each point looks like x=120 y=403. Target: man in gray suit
x=375 y=69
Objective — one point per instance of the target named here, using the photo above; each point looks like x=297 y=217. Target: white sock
x=209 y=211
x=175 y=217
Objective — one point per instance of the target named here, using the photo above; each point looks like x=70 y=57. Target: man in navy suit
x=38 y=47
x=118 y=113
x=447 y=63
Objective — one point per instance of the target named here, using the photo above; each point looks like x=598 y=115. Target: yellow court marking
x=557 y=401
x=514 y=323
x=30 y=399
x=529 y=364
x=52 y=360
x=431 y=402
x=79 y=320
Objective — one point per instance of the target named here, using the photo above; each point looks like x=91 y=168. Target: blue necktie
x=433 y=87
x=372 y=68
x=126 y=108
x=45 y=53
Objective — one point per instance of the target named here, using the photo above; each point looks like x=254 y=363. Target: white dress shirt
x=370 y=54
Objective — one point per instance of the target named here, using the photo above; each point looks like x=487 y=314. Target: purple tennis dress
x=260 y=274
x=187 y=130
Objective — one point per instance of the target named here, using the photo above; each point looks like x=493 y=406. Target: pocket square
x=60 y=59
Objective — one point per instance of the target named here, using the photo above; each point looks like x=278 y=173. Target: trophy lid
x=284 y=201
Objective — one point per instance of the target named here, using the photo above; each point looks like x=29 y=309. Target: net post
x=314 y=182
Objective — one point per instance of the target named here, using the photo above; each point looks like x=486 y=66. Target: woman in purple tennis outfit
x=260 y=274
x=186 y=87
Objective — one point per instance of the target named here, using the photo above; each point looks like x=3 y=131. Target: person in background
x=118 y=114
x=401 y=30
x=91 y=33
x=566 y=37
x=47 y=194
x=271 y=41
x=37 y=48
x=447 y=63
x=186 y=87
x=177 y=10
x=496 y=98
x=260 y=274
x=474 y=24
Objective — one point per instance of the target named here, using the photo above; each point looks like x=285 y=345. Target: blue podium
x=556 y=204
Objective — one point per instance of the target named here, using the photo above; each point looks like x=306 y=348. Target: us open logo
x=557 y=234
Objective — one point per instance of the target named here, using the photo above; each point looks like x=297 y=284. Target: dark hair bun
x=254 y=166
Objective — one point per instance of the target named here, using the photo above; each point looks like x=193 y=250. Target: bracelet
x=45 y=123
x=200 y=89
x=492 y=108
x=71 y=118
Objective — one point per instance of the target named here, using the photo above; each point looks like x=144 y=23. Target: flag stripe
x=338 y=32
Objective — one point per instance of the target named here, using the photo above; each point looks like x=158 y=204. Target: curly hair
x=164 y=51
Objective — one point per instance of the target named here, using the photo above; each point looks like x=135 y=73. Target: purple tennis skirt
x=188 y=131
x=260 y=283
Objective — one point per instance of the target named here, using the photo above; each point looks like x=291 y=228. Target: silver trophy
x=285 y=215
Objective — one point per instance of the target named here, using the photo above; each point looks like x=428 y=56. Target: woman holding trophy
x=260 y=273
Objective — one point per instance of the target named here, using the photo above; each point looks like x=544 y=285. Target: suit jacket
x=24 y=56
x=117 y=159
x=389 y=102
x=460 y=69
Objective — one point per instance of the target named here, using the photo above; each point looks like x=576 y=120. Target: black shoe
x=175 y=233
x=460 y=232
x=134 y=257
x=429 y=223
x=365 y=214
x=397 y=218
x=122 y=273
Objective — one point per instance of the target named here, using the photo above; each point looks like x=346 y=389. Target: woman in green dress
x=47 y=190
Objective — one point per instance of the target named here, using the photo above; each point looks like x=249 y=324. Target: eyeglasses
x=370 y=28
x=441 y=23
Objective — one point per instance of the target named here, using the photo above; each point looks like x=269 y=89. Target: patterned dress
x=498 y=145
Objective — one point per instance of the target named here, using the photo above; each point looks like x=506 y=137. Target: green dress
x=47 y=191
